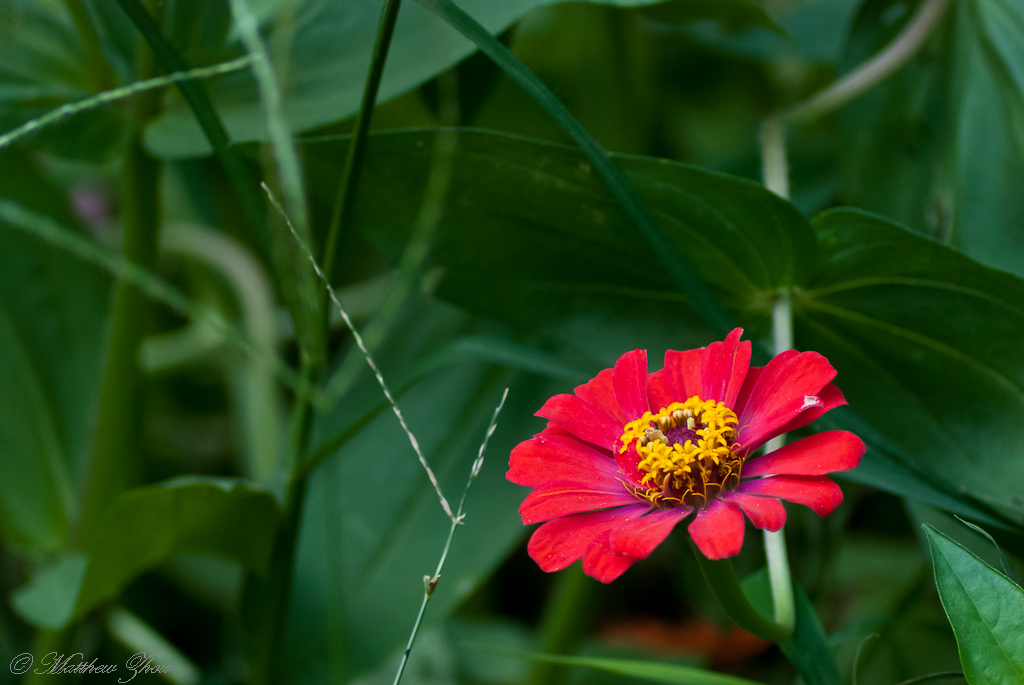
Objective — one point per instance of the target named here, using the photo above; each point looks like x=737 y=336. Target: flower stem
x=775 y=541
x=565 y=614
x=721 y=579
x=875 y=70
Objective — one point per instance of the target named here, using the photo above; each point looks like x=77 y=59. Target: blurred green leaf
x=939 y=145
x=651 y=671
x=328 y=63
x=356 y=597
x=52 y=313
x=42 y=66
x=986 y=610
x=918 y=331
x=143 y=528
x=734 y=15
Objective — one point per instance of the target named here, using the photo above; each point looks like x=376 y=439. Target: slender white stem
x=875 y=70
x=775 y=542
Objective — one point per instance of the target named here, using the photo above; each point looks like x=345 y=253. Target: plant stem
x=775 y=541
x=115 y=451
x=721 y=579
x=874 y=71
x=345 y=200
x=102 y=75
x=198 y=100
x=565 y=614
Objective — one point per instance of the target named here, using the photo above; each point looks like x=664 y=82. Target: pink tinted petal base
x=817 y=492
x=786 y=387
x=548 y=457
x=816 y=455
x=582 y=419
x=562 y=498
x=724 y=367
x=766 y=513
x=629 y=378
x=718 y=530
x=559 y=543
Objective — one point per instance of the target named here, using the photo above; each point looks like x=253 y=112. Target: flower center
x=687 y=452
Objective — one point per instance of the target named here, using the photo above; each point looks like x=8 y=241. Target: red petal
x=659 y=395
x=558 y=543
x=718 y=530
x=811 y=456
x=630 y=380
x=764 y=512
x=602 y=563
x=638 y=538
x=753 y=373
x=817 y=492
x=830 y=395
x=724 y=367
x=562 y=498
x=600 y=393
x=547 y=457
x=582 y=419
x=682 y=371
x=787 y=386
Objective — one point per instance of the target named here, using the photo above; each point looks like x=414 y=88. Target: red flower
x=631 y=454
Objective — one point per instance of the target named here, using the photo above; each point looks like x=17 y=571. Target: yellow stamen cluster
x=695 y=469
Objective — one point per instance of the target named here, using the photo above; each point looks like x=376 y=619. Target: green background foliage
x=268 y=490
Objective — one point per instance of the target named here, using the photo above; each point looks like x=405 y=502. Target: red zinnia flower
x=631 y=454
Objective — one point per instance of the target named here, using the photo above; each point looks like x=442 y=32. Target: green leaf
x=938 y=146
x=143 y=528
x=52 y=308
x=328 y=63
x=986 y=610
x=42 y=66
x=915 y=329
x=560 y=248
x=651 y=671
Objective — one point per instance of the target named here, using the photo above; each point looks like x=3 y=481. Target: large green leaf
x=925 y=341
x=939 y=146
x=373 y=526
x=329 y=60
x=986 y=610
x=143 y=528
x=913 y=327
x=561 y=254
x=52 y=312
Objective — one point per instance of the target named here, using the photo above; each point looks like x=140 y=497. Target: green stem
x=775 y=541
x=345 y=200
x=874 y=71
x=102 y=75
x=721 y=579
x=564 y=617
x=115 y=450
x=198 y=100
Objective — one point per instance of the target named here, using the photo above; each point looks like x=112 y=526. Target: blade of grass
x=342 y=212
x=677 y=264
x=206 y=116
x=430 y=582
x=368 y=357
x=106 y=97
